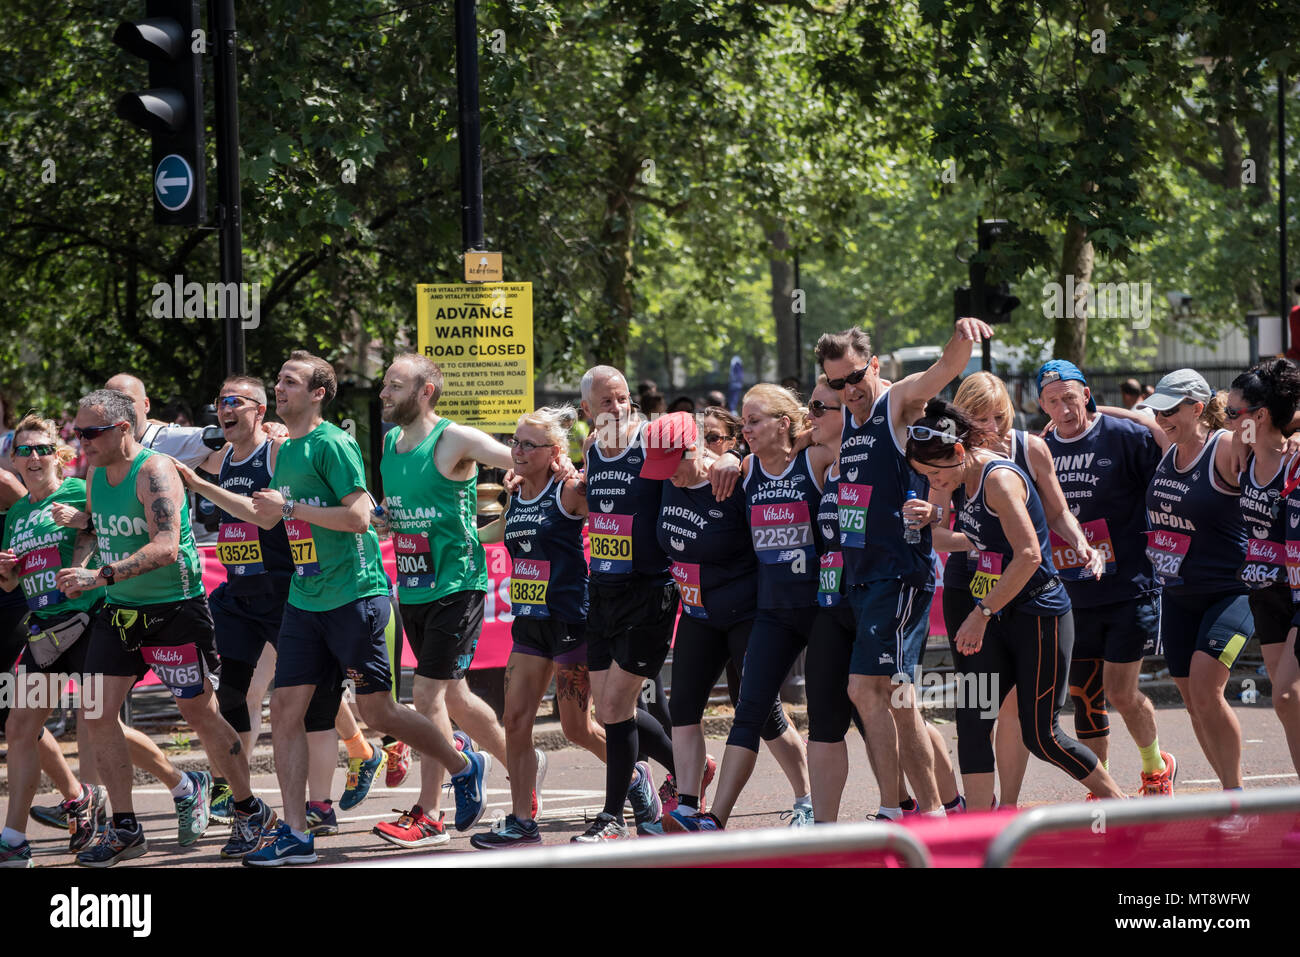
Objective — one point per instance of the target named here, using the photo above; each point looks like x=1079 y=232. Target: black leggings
x=826 y=675
x=13 y=639
x=974 y=728
x=700 y=653
x=232 y=699
x=778 y=635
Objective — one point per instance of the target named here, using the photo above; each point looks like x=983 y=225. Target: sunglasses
x=711 y=437
x=817 y=408
x=23 y=451
x=923 y=433
x=526 y=447
x=232 y=401
x=95 y=431
x=853 y=378
x=1170 y=413
x=1234 y=414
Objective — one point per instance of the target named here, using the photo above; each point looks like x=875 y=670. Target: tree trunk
x=1076 y=261
x=616 y=235
x=788 y=360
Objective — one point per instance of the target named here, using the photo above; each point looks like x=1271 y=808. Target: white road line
x=1248 y=777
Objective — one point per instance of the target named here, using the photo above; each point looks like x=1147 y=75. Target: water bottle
x=911 y=533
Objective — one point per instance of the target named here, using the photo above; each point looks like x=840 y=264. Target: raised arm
x=911 y=393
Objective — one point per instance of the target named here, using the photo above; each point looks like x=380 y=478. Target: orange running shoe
x=1160 y=783
x=399 y=762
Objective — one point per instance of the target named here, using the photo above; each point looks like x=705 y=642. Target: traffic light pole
x=471 y=147
x=221 y=17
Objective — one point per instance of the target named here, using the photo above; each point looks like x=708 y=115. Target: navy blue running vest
x=623 y=512
x=548 y=575
x=781 y=510
x=253 y=556
x=709 y=544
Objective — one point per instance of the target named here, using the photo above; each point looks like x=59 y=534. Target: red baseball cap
x=666 y=439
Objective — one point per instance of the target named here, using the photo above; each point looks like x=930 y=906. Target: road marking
x=1248 y=777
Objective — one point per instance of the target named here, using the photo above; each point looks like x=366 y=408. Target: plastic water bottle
x=911 y=533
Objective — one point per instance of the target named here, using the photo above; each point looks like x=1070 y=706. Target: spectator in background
x=716 y=399
x=1148 y=391
x=683 y=403
x=652 y=404
x=1130 y=392
x=177 y=411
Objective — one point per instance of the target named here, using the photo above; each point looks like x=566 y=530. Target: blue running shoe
x=361 y=774
x=655 y=829
x=283 y=848
x=250 y=831
x=680 y=821
x=223 y=804
x=114 y=846
x=800 y=816
x=21 y=856
x=471 y=798
x=462 y=741
x=641 y=794
x=511 y=832
x=193 y=812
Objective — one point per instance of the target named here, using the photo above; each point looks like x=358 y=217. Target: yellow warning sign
x=481 y=336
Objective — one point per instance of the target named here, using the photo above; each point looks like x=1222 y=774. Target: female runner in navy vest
x=542 y=529
x=1020 y=627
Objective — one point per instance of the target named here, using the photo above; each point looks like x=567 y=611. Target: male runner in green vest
x=338 y=604
x=155 y=615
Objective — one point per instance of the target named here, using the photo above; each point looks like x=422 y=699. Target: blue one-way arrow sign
x=173 y=183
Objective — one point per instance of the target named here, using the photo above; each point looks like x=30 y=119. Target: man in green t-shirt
x=155 y=615
x=338 y=604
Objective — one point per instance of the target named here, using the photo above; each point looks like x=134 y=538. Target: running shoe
x=668 y=793
x=1160 y=783
x=509 y=832
x=87 y=816
x=20 y=856
x=653 y=829
x=413 y=829
x=800 y=816
x=248 y=832
x=223 y=804
x=361 y=774
x=605 y=827
x=909 y=806
x=537 y=789
x=468 y=785
x=283 y=848
x=462 y=741
x=958 y=806
x=193 y=812
x=399 y=762
x=710 y=769
x=642 y=796
x=1234 y=825
x=321 y=819
x=882 y=818
x=679 y=821
x=114 y=846
x=52 y=815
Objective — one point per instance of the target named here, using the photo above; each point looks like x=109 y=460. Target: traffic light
x=171 y=110
x=992 y=303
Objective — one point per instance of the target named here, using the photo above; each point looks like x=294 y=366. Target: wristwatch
x=287 y=510
x=108 y=574
x=985 y=610
x=938 y=515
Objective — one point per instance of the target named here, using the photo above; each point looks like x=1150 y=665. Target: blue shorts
x=1120 y=632
x=246 y=624
x=893 y=620
x=1218 y=624
x=317 y=647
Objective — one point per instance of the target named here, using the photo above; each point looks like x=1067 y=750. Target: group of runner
x=821 y=539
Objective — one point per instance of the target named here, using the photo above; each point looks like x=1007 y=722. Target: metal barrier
x=797 y=848
x=1118 y=812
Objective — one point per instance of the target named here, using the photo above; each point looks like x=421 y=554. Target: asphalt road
x=573 y=794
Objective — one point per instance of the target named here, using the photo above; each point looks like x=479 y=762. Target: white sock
x=939 y=813
x=299 y=835
x=11 y=837
x=893 y=813
x=803 y=801
x=184 y=789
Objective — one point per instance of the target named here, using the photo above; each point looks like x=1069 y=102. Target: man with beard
x=430 y=471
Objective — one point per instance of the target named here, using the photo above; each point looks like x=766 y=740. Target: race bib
x=414 y=560
x=988 y=569
x=240 y=549
x=1265 y=564
x=177 y=666
x=1070 y=564
x=528 y=581
x=829 y=579
x=610 y=537
x=302 y=547
x=853 y=502
x=39 y=568
x=687 y=577
x=779 y=529
x=1166 y=551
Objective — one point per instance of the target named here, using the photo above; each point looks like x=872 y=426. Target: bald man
x=192 y=445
